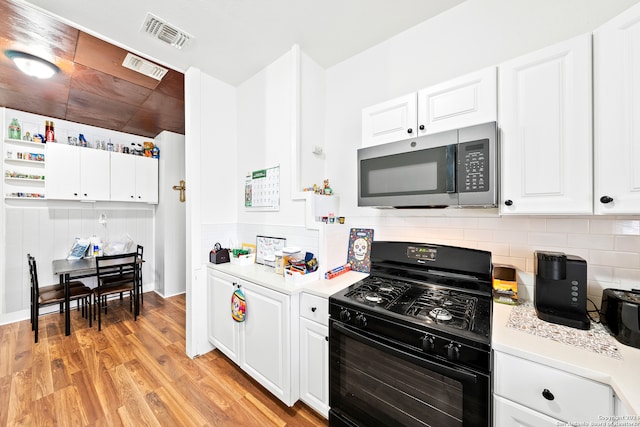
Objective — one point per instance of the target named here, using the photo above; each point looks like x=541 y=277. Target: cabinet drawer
x=314 y=308
x=559 y=394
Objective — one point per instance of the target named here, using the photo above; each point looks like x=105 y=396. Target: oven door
x=373 y=382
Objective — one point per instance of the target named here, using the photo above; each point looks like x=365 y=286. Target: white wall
x=210 y=168
x=170 y=225
x=48 y=233
x=265 y=119
x=471 y=36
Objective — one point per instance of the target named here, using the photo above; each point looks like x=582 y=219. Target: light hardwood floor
x=131 y=373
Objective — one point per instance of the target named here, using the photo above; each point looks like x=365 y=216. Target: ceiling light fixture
x=32 y=65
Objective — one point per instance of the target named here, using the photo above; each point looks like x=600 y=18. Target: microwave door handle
x=450 y=180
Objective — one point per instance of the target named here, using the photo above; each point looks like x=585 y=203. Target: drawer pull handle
x=313 y=309
x=547 y=394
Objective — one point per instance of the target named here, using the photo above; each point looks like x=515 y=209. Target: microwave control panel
x=473 y=169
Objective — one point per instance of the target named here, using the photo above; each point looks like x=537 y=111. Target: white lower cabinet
x=507 y=413
x=224 y=332
x=314 y=352
x=527 y=393
x=265 y=344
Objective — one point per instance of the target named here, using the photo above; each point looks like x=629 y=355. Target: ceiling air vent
x=159 y=29
x=143 y=66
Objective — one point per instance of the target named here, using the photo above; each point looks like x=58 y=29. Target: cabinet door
x=556 y=393
x=464 y=101
x=146 y=179
x=393 y=120
x=546 y=137
x=617 y=114
x=265 y=340
x=94 y=174
x=223 y=330
x=509 y=414
x=314 y=365
x=62 y=172
x=123 y=177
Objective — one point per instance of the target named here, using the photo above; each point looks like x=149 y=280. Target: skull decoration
x=360 y=248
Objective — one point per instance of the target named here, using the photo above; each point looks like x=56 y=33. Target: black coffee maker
x=560 y=294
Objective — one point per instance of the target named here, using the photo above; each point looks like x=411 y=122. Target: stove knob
x=361 y=321
x=345 y=316
x=453 y=351
x=428 y=344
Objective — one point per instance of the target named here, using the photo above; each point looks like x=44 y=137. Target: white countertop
x=622 y=375
x=265 y=276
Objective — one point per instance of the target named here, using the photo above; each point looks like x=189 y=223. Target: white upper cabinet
x=392 y=120
x=546 y=137
x=134 y=178
x=464 y=101
x=617 y=115
x=76 y=173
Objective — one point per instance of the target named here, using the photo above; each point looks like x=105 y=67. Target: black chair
x=139 y=251
x=49 y=288
x=50 y=295
x=116 y=274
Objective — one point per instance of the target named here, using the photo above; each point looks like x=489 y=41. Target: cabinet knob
x=606 y=199
x=75 y=194
x=547 y=394
x=409 y=130
x=313 y=309
x=421 y=127
x=132 y=197
x=326 y=338
x=508 y=202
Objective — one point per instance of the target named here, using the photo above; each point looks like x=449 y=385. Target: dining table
x=72 y=269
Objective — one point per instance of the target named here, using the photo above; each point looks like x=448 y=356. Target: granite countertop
x=592 y=354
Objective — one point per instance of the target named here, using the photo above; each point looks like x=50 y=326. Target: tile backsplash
x=610 y=245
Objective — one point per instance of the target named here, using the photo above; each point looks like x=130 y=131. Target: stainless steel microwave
x=457 y=168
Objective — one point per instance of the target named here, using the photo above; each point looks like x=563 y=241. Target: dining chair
x=139 y=251
x=48 y=288
x=50 y=295
x=116 y=274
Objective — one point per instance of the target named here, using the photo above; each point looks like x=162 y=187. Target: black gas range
x=424 y=310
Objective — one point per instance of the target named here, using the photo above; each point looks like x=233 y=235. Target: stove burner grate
x=443 y=306
x=378 y=291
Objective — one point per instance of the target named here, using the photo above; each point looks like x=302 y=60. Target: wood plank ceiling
x=92 y=88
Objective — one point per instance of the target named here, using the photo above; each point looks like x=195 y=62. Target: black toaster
x=620 y=313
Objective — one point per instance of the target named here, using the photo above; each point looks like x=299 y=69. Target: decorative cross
x=182 y=188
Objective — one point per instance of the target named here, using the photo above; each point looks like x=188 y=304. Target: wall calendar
x=262 y=190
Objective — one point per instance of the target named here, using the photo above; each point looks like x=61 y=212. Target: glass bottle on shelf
x=14 y=129
x=49 y=132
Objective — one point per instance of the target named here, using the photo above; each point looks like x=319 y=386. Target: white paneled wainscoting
x=48 y=232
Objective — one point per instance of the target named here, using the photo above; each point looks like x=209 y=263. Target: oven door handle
x=454 y=373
